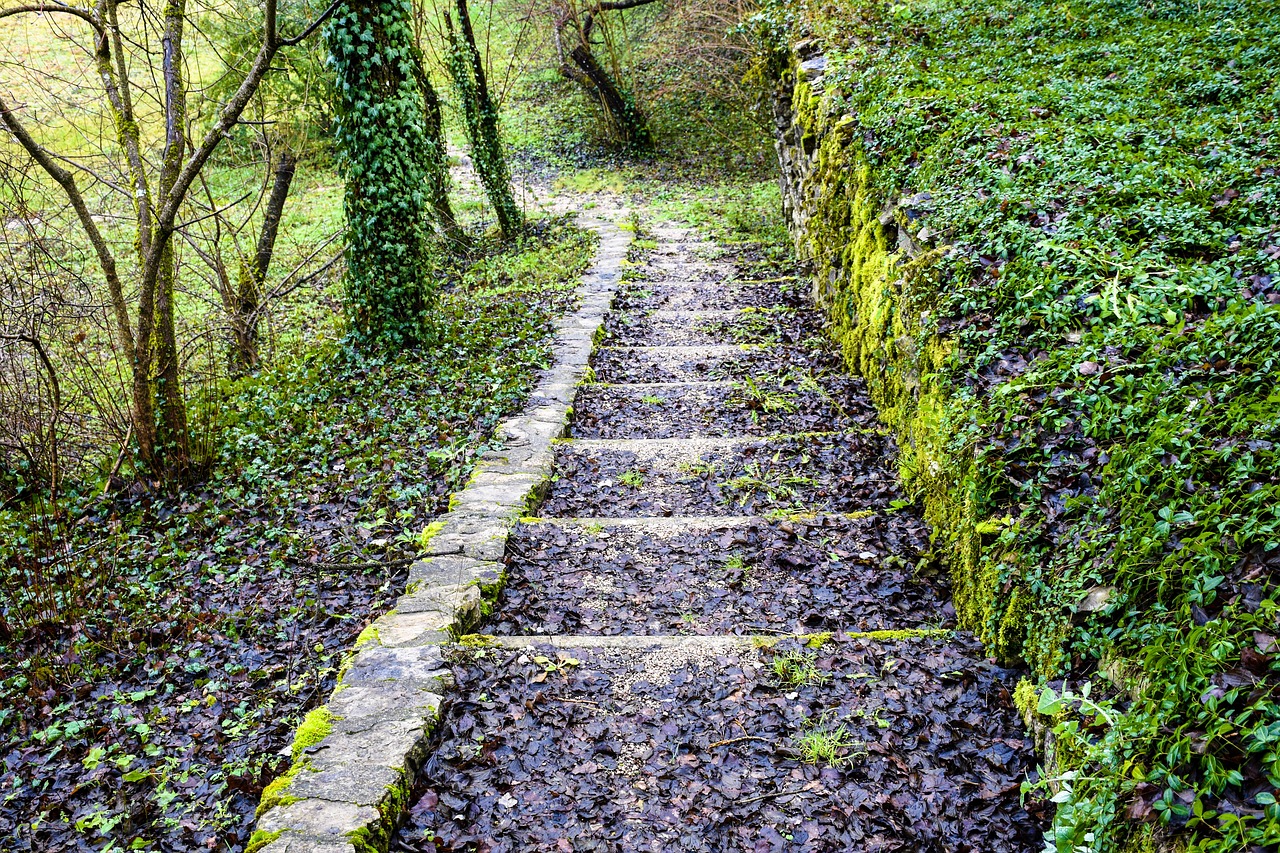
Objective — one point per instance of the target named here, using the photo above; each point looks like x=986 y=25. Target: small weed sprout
x=757 y=397
x=828 y=743
x=700 y=468
x=755 y=480
x=798 y=668
x=632 y=478
x=653 y=400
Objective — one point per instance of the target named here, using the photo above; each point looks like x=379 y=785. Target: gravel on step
x=690 y=328
x=845 y=472
x=730 y=409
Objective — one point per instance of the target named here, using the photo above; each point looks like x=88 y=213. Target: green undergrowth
x=154 y=639
x=1047 y=235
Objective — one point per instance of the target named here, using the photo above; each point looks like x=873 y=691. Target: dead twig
x=759 y=797
x=376 y=564
x=733 y=740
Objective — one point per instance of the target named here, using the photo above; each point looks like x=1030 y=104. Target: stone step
x=700 y=292
x=660 y=524
x=821 y=472
x=714 y=744
x=701 y=642
x=745 y=577
x=712 y=409
x=683 y=326
x=690 y=363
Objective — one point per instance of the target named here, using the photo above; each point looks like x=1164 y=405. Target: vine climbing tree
x=480 y=114
x=387 y=152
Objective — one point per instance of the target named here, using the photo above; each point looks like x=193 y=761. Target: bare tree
x=143 y=303
x=576 y=32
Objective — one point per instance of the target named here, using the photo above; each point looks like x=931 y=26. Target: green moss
x=1026 y=697
x=903 y=634
x=433 y=529
x=316 y=726
x=477 y=641
x=376 y=837
x=274 y=794
x=368 y=635
x=261 y=839
x=817 y=641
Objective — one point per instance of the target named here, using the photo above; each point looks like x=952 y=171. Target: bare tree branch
x=68 y=183
x=82 y=14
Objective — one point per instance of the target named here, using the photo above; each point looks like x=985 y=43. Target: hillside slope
x=1049 y=236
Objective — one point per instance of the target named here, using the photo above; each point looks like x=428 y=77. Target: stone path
x=723 y=630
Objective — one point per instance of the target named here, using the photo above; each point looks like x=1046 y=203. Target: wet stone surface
x=821 y=473
x=668 y=327
x=669 y=288
x=692 y=750
x=638 y=363
x=731 y=409
x=799 y=576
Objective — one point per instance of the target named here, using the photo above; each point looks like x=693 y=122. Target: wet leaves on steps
x=802 y=576
x=685 y=749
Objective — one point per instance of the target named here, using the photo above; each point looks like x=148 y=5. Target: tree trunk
x=467 y=70
x=628 y=122
x=382 y=145
x=437 y=158
x=253 y=273
x=173 y=441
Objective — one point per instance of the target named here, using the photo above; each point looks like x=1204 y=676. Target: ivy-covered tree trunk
x=382 y=144
x=437 y=158
x=481 y=115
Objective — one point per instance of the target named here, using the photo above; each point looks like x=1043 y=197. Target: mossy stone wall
x=870 y=265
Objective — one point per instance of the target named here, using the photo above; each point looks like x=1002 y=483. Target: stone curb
x=357 y=758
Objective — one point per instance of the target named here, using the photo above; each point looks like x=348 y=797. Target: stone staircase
x=723 y=630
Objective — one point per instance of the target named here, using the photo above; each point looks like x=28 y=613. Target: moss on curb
x=316 y=726
x=432 y=530
x=261 y=839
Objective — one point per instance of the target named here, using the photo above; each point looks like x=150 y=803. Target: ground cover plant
x=161 y=650
x=1048 y=235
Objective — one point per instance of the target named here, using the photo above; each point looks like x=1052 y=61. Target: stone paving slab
x=818 y=472
x=700 y=744
x=762 y=576
x=701 y=410
x=711 y=327
x=634 y=364
x=358 y=756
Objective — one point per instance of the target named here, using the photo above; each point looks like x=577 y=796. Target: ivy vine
x=481 y=118
x=383 y=145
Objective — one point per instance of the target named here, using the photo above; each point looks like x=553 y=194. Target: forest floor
x=156 y=664
x=725 y=630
